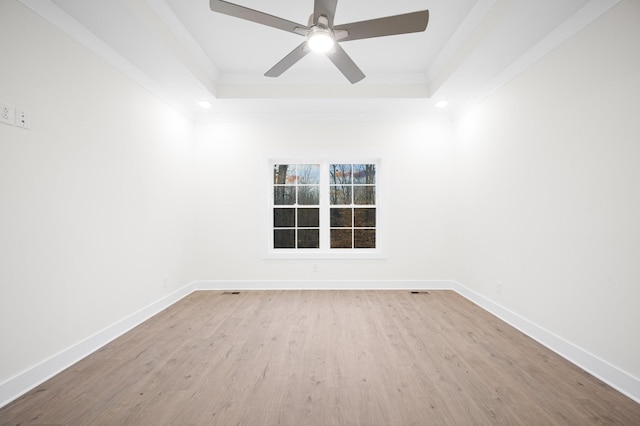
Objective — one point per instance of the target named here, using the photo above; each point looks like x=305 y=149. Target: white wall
x=232 y=177
x=95 y=197
x=548 y=201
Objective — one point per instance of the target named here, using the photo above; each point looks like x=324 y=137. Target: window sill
x=322 y=255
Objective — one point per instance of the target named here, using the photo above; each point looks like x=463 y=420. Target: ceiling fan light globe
x=320 y=41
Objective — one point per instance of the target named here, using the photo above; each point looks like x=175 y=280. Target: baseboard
x=29 y=379
x=324 y=285
x=611 y=375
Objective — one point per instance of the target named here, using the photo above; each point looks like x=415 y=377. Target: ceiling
x=184 y=52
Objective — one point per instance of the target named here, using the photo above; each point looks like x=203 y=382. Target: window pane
x=308 y=238
x=364 y=195
x=364 y=218
x=308 y=173
x=284 y=174
x=340 y=174
x=308 y=195
x=341 y=238
x=340 y=195
x=284 y=238
x=364 y=238
x=341 y=218
x=284 y=195
x=284 y=218
x=308 y=218
x=364 y=174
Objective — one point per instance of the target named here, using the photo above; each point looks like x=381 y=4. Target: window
x=325 y=208
x=352 y=195
x=296 y=206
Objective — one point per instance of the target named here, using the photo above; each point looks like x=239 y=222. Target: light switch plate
x=7 y=114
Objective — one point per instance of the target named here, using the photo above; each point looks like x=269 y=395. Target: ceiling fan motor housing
x=320 y=37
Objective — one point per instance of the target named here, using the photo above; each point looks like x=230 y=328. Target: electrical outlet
x=7 y=114
x=21 y=119
x=498 y=287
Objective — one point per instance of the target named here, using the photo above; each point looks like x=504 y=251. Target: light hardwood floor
x=323 y=358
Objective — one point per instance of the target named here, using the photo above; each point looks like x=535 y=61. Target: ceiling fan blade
x=288 y=61
x=345 y=64
x=254 y=16
x=324 y=8
x=413 y=22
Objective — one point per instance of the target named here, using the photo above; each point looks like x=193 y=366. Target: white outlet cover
x=22 y=119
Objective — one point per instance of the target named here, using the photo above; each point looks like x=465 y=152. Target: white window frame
x=325 y=252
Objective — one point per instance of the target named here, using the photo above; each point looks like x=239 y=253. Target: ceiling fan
x=323 y=36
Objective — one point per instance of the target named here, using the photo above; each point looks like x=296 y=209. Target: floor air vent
x=230 y=292
x=419 y=292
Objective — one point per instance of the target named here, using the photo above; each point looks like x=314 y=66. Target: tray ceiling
x=184 y=52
